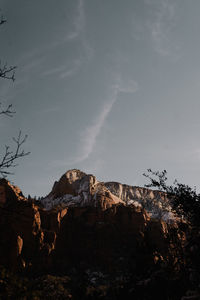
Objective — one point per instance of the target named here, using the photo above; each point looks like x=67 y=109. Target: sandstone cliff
x=100 y=231
x=76 y=188
x=155 y=202
x=95 y=238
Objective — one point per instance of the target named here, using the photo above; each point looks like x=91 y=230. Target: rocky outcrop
x=76 y=188
x=23 y=242
x=109 y=235
x=11 y=192
x=155 y=202
x=105 y=246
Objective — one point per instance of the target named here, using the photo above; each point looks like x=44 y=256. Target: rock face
x=11 y=192
x=155 y=202
x=97 y=230
x=76 y=188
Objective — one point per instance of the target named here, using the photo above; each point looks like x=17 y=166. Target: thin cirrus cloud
x=72 y=71
x=77 y=33
x=159 y=24
x=37 y=57
x=78 y=23
x=162 y=27
x=64 y=70
x=79 y=30
x=90 y=134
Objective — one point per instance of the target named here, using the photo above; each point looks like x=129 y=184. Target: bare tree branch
x=10 y=157
x=2 y=20
x=7 y=72
x=7 y=111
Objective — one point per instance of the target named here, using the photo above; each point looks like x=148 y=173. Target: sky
x=109 y=87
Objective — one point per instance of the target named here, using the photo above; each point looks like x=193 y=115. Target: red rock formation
x=76 y=188
x=119 y=236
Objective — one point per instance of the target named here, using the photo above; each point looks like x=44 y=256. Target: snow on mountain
x=76 y=188
x=155 y=202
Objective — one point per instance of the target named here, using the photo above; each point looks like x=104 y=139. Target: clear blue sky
x=108 y=87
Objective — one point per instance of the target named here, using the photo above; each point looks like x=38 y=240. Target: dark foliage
x=186 y=203
x=184 y=200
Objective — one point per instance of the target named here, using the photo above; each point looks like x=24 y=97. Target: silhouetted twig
x=7 y=72
x=7 y=111
x=2 y=20
x=10 y=157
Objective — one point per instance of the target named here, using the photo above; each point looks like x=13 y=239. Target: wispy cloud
x=78 y=23
x=159 y=24
x=37 y=58
x=162 y=25
x=78 y=33
x=29 y=65
x=79 y=30
x=89 y=136
x=64 y=70
x=71 y=71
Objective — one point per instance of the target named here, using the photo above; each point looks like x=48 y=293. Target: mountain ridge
x=76 y=188
x=101 y=235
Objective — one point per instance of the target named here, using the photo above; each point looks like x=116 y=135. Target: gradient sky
x=110 y=87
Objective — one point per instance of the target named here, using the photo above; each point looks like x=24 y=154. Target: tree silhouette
x=10 y=157
x=184 y=200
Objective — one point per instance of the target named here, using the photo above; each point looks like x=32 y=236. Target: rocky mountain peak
x=83 y=230
x=74 y=175
x=76 y=188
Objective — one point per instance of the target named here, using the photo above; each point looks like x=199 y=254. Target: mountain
x=76 y=188
x=154 y=202
x=89 y=240
x=79 y=216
